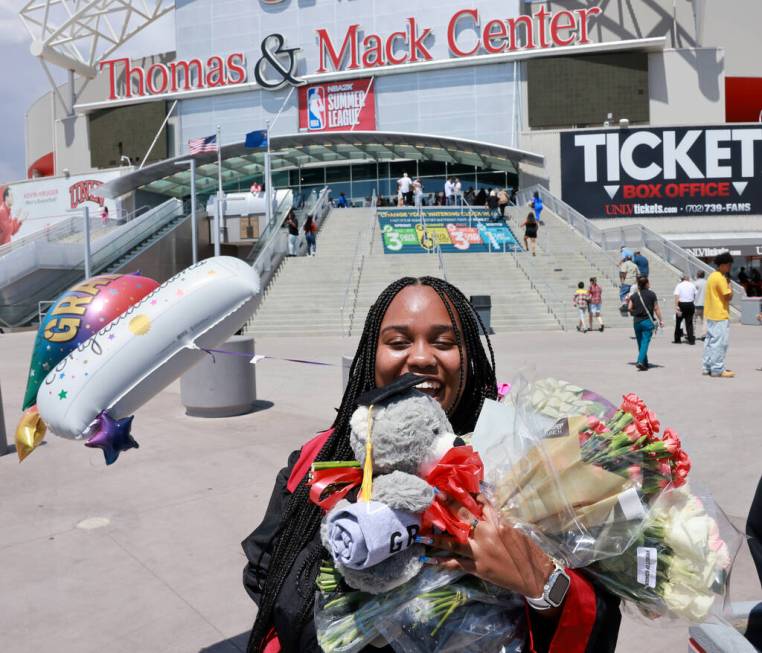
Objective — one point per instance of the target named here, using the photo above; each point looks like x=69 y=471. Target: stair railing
x=632 y=235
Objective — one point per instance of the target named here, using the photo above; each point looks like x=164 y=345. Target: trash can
x=482 y=304
x=750 y=308
x=222 y=385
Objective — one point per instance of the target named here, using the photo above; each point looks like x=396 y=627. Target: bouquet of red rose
x=581 y=484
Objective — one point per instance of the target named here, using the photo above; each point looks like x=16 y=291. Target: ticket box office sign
x=662 y=172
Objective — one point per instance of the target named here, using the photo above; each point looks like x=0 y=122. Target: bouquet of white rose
x=680 y=566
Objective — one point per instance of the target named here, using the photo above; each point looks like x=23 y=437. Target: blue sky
x=23 y=79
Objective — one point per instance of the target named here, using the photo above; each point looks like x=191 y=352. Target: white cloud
x=12 y=30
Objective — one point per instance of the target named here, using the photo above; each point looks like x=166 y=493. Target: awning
x=314 y=149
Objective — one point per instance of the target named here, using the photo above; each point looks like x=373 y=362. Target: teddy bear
x=410 y=432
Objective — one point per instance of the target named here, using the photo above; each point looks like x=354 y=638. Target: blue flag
x=257 y=139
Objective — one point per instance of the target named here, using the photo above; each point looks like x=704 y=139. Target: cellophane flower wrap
x=575 y=471
x=436 y=611
x=679 y=566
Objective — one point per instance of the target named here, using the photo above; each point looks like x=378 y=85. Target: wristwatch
x=554 y=592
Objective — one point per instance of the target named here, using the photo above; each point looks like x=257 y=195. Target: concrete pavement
x=144 y=556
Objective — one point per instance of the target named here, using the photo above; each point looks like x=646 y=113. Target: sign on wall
x=660 y=172
x=30 y=206
x=447 y=227
x=338 y=106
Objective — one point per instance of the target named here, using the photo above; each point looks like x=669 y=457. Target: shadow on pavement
x=232 y=645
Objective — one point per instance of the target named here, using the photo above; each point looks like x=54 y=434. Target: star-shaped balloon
x=113 y=436
x=29 y=433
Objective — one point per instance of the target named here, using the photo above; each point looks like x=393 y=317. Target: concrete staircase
x=306 y=296
x=565 y=257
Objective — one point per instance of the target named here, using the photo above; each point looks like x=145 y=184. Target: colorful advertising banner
x=662 y=171
x=338 y=106
x=30 y=206
x=447 y=227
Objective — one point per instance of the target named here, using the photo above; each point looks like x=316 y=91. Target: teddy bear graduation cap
x=399 y=436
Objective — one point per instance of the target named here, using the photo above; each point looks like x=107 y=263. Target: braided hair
x=301 y=518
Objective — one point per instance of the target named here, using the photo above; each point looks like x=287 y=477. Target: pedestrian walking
x=502 y=201
x=405 y=187
x=457 y=189
x=492 y=204
x=537 y=205
x=644 y=308
x=596 y=302
x=642 y=263
x=310 y=234
x=685 y=307
x=700 y=284
x=628 y=276
x=448 y=192
x=418 y=192
x=624 y=252
x=293 y=232
x=104 y=215
x=580 y=300
x=717 y=316
x=530 y=234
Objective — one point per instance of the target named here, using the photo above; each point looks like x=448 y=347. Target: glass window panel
x=337 y=173
x=364 y=171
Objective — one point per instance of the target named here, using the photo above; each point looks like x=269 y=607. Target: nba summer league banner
x=662 y=171
x=448 y=227
x=338 y=106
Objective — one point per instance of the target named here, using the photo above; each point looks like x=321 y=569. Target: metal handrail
x=611 y=238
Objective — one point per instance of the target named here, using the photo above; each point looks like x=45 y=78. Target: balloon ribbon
x=329 y=485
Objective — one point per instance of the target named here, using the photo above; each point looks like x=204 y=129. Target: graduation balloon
x=98 y=386
x=74 y=317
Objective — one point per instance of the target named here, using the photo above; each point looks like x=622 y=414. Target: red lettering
x=325 y=46
x=556 y=27
x=417 y=46
x=390 y=58
x=513 y=24
x=541 y=15
x=641 y=191
x=618 y=209
x=215 y=73
x=697 y=189
x=236 y=66
x=128 y=73
x=723 y=189
x=372 y=45
x=111 y=63
x=584 y=16
x=495 y=30
x=185 y=66
x=451 y=40
x=151 y=76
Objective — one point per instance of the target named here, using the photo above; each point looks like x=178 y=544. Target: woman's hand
x=497 y=553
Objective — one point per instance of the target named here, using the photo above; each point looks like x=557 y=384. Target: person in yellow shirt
x=717 y=317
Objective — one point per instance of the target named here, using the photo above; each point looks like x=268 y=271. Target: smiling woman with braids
x=427 y=327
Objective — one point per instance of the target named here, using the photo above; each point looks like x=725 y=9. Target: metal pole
x=218 y=213
x=86 y=214
x=156 y=138
x=194 y=225
x=268 y=180
x=3 y=436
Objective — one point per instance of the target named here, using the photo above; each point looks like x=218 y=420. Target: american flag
x=206 y=144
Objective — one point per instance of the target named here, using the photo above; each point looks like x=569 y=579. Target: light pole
x=86 y=214
x=268 y=180
x=220 y=201
x=194 y=226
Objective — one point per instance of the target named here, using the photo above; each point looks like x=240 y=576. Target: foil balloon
x=74 y=317
x=147 y=347
x=29 y=433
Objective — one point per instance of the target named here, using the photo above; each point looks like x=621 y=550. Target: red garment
x=9 y=225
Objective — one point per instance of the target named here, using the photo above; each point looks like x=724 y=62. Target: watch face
x=557 y=592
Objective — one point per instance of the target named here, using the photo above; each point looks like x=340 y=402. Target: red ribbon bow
x=458 y=476
x=322 y=479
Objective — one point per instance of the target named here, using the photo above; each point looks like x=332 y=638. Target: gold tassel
x=366 y=489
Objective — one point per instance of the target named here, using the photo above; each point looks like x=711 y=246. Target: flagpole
x=220 y=200
x=268 y=180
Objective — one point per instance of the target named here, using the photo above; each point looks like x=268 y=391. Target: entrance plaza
x=144 y=555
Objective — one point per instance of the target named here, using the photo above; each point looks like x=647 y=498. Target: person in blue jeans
x=644 y=308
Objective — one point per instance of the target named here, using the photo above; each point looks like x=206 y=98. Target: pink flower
x=671 y=442
x=653 y=423
x=503 y=390
x=682 y=465
x=634 y=405
x=665 y=470
x=584 y=436
x=595 y=424
x=632 y=432
x=635 y=474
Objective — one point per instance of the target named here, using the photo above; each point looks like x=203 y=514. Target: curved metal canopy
x=315 y=149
